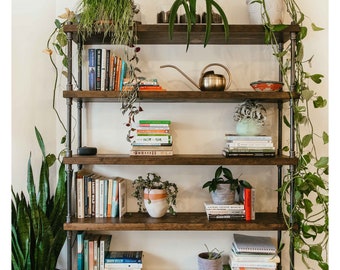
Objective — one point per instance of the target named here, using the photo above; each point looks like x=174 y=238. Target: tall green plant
x=37 y=221
x=309 y=204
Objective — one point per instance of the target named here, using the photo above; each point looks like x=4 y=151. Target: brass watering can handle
x=222 y=66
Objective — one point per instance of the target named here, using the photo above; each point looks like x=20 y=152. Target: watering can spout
x=180 y=71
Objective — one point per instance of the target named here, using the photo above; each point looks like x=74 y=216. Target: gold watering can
x=209 y=81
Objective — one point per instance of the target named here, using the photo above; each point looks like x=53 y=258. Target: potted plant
x=189 y=7
x=250 y=117
x=223 y=186
x=210 y=259
x=155 y=195
x=309 y=205
x=37 y=221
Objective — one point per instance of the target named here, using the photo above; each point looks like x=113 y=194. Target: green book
x=168 y=122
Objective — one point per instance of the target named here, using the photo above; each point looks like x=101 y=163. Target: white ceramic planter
x=248 y=127
x=155 y=202
x=274 y=9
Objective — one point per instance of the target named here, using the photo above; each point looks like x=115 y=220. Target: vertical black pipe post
x=69 y=150
x=79 y=101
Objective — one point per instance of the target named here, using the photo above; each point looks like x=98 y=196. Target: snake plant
x=37 y=221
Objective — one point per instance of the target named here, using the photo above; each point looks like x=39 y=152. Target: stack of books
x=237 y=145
x=153 y=139
x=253 y=252
x=150 y=85
x=224 y=211
x=123 y=260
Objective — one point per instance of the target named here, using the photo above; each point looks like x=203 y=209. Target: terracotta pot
x=155 y=202
x=205 y=264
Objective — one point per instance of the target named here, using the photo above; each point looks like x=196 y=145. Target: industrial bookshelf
x=158 y=34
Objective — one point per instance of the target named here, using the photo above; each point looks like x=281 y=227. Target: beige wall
x=198 y=128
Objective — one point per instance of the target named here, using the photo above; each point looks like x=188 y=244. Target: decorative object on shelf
x=209 y=81
x=267 y=86
x=224 y=177
x=250 y=117
x=210 y=259
x=37 y=223
x=189 y=7
x=100 y=16
x=256 y=11
x=143 y=192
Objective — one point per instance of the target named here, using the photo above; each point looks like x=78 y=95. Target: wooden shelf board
x=196 y=221
x=159 y=34
x=182 y=96
x=183 y=159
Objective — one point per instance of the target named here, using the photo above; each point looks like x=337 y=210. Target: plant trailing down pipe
x=180 y=71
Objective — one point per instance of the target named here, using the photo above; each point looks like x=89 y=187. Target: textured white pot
x=248 y=127
x=223 y=194
x=205 y=264
x=155 y=202
x=274 y=9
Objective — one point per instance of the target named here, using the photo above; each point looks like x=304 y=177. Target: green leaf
x=307 y=94
x=320 y=102
x=316 y=78
x=306 y=140
x=315 y=252
x=323 y=265
x=325 y=137
x=322 y=163
x=316 y=28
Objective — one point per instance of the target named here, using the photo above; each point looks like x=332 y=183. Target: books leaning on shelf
x=99 y=196
x=224 y=211
x=124 y=259
x=237 y=145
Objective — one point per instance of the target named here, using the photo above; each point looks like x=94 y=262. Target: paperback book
x=253 y=244
x=120 y=256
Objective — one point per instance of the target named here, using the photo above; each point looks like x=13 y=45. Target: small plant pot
x=223 y=194
x=248 y=127
x=204 y=263
x=155 y=202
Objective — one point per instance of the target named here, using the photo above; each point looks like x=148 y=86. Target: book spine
x=80 y=196
x=244 y=138
x=224 y=206
x=226 y=217
x=247 y=203
x=248 y=145
x=269 y=265
x=151 y=144
x=153 y=139
x=253 y=213
x=115 y=198
x=122 y=194
x=151 y=152
x=122 y=75
x=107 y=70
x=92 y=68
x=80 y=250
x=118 y=71
x=98 y=68
x=153 y=125
x=103 y=70
x=168 y=122
x=225 y=211
x=153 y=131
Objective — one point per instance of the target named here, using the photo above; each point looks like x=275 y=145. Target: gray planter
x=205 y=264
x=223 y=194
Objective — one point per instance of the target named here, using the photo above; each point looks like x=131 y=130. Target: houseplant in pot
x=250 y=117
x=210 y=259
x=37 y=221
x=154 y=195
x=223 y=186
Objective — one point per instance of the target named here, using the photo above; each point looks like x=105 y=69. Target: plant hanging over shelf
x=309 y=180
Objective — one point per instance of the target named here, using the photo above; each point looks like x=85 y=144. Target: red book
x=247 y=203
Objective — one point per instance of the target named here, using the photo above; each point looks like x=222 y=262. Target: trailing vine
x=309 y=204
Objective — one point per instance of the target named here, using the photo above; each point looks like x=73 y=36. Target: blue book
x=123 y=256
x=92 y=69
x=98 y=69
x=80 y=250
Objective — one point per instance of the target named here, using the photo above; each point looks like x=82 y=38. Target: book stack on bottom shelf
x=123 y=260
x=253 y=253
x=153 y=138
x=237 y=145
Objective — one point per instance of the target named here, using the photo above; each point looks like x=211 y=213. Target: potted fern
x=154 y=195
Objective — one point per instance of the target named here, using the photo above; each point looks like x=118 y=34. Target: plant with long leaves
x=37 y=222
x=308 y=206
x=190 y=14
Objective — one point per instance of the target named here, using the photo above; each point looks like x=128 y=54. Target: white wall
x=198 y=128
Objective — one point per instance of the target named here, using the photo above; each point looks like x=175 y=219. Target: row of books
x=91 y=250
x=238 y=211
x=237 y=145
x=253 y=252
x=153 y=138
x=99 y=196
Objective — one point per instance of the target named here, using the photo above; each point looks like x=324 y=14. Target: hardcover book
x=92 y=68
x=121 y=256
x=98 y=69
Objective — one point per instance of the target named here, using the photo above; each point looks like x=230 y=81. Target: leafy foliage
x=190 y=13
x=37 y=221
x=224 y=176
x=309 y=179
x=153 y=181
